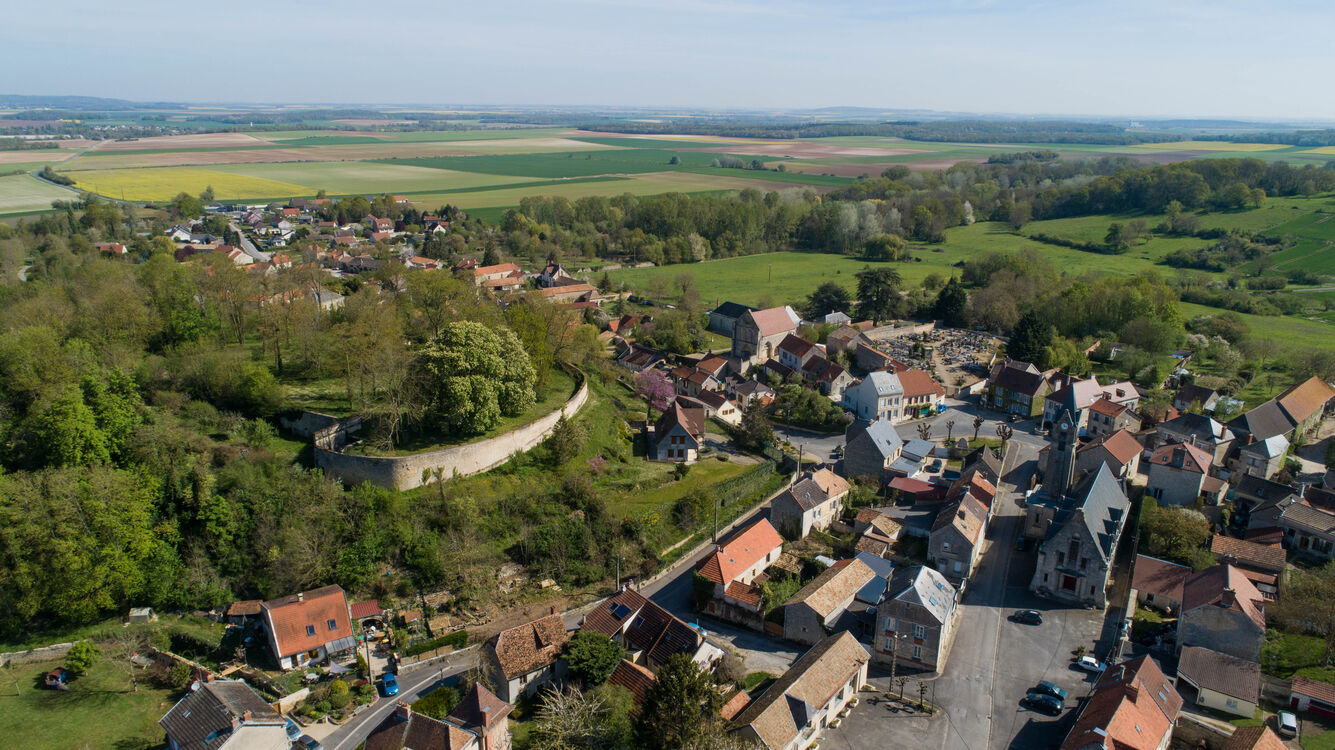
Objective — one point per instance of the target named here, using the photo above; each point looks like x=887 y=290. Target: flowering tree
x=655 y=388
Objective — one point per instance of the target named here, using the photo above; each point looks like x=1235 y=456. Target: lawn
x=1289 y=332
x=22 y=193
x=653 y=485
x=99 y=710
x=343 y=177
x=164 y=183
x=1286 y=654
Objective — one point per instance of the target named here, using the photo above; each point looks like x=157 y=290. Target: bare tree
x=1004 y=432
x=977 y=425
x=950 y=429
x=924 y=431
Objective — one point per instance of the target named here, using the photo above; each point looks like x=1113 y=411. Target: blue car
x=390 y=684
x=293 y=731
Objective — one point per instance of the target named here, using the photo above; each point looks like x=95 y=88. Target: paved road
x=412 y=685
x=993 y=661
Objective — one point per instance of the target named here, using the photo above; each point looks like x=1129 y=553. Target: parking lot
x=991 y=666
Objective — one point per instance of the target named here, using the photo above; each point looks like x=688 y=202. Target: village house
x=734 y=565
x=867 y=358
x=1076 y=555
x=1133 y=705
x=1192 y=397
x=751 y=391
x=915 y=620
x=499 y=271
x=521 y=660
x=1016 y=387
x=650 y=634
x=1265 y=421
x=876 y=532
x=569 y=293
x=720 y=407
x=1263 y=564
x=479 y=722
x=870 y=449
x=637 y=680
x=922 y=394
x=308 y=627
x=957 y=537
x=243 y=612
x=1222 y=611
x=795 y=351
x=792 y=713
x=1107 y=417
x=758 y=333
x=1219 y=681
x=1254 y=493
x=1305 y=403
x=812 y=503
x=1158 y=583
x=818 y=606
x=723 y=319
x=553 y=274
x=846 y=338
x=829 y=378
x=1199 y=430
x=1263 y=458
x=111 y=248
x=1316 y=696
x=224 y=715
x=879 y=396
x=1254 y=738
x=1308 y=530
x=1119 y=451
x=1179 y=474
x=1079 y=396
x=678 y=434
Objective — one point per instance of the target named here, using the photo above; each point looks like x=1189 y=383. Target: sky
x=1132 y=58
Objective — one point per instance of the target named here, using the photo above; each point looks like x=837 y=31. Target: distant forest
x=954 y=131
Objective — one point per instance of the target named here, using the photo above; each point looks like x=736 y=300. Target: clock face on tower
x=1065 y=426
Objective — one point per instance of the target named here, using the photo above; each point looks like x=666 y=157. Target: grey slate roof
x=1266 y=420
x=883 y=436
x=1222 y=673
x=926 y=587
x=731 y=310
x=806 y=493
x=1200 y=427
x=202 y=720
x=1099 y=503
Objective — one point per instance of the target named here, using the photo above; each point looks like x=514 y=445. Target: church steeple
x=1062 y=442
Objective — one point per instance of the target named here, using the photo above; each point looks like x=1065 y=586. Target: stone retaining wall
x=44 y=653
x=405 y=472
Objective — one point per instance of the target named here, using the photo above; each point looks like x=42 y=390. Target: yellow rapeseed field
x=1326 y=150
x=163 y=184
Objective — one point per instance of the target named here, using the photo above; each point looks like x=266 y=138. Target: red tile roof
x=774 y=321
x=245 y=608
x=1305 y=399
x=1107 y=407
x=292 y=618
x=1183 y=457
x=1208 y=588
x=1322 y=691
x=1159 y=577
x=480 y=708
x=735 y=705
x=365 y=609
x=919 y=383
x=1121 y=445
x=1254 y=738
x=1133 y=707
x=1243 y=552
x=530 y=646
x=744 y=593
x=634 y=678
x=740 y=551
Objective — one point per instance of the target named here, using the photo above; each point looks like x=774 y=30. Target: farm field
x=345 y=177
x=164 y=184
x=641 y=184
x=570 y=164
x=1315 y=247
x=22 y=193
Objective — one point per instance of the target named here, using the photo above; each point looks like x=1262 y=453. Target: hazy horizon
x=1187 y=60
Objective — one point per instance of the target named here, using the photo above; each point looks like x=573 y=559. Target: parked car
x=1021 y=544
x=1028 y=616
x=390 y=684
x=307 y=742
x=1043 y=703
x=1047 y=688
x=1090 y=664
x=293 y=731
x=1288 y=724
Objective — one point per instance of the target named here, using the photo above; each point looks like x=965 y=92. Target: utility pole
x=716 y=504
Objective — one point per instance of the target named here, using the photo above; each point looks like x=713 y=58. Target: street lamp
x=894 y=652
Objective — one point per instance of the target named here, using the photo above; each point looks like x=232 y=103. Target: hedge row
x=457 y=639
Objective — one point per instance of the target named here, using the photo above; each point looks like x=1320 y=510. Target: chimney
x=247 y=715
x=961 y=514
x=553 y=610
x=1228 y=597
x=486 y=716
x=1133 y=690
x=301 y=596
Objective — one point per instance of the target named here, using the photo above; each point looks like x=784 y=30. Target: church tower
x=1062 y=442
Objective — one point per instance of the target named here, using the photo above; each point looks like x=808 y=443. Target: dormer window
x=333 y=625
x=310 y=630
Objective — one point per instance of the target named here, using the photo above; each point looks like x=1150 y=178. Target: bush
x=438 y=703
x=81 y=658
x=457 y=639
x=180 y=675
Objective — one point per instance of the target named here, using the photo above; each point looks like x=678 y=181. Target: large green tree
x=680 y=707
x=827 y=298
x=592 y=657
x=1030 y=340
x=878 y=294
x=473 y=376
x=952 y=304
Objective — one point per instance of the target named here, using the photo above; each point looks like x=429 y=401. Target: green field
x=344 y=177
x=569 y=164
x=643 y=184
x=1314 y=248
x=22 y=193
